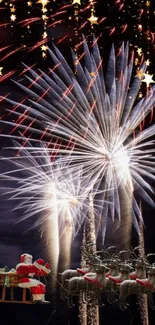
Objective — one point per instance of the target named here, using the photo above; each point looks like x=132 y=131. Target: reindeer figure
x=92 y=260
x=110 y=286
x=138 y=286
x=113 y=268
x=76 y=285
x=140 y=270
x=98 y=278
x=149 y=282
x=123 y=275
x=92 y=282
x=66 y=275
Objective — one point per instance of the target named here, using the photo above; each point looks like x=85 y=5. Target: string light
x=76 y=1
x=92 y=308
x=12 y=13
x=29 y=5
x=76 y=4
x=148 y=62
x=139 y=51
x=45 y=20
x=92 y=19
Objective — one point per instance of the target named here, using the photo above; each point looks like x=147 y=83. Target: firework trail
x=94 y=116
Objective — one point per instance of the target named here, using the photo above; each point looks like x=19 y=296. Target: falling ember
x=112 y=31
x=11 y=53
x=7 y=75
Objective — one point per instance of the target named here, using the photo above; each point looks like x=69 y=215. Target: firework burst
x=35 y=182
x=95 y=118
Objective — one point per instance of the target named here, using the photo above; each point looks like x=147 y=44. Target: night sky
x=122 y=22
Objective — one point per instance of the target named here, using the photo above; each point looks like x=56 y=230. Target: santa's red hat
x=25 y=257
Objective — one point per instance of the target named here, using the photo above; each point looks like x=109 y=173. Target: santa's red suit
x=29 y=269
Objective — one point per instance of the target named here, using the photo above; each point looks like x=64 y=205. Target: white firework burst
x=98 y=116
x=36 y=184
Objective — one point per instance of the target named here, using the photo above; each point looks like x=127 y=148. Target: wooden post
x=11 y=293
x=3 y=293
x=24 y=295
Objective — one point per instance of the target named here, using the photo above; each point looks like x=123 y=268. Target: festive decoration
x=22 y=277
x=49 y=24
x=76 y=1
x=93 y=20
x=140 y=74
x=38 y=268
x=60 y=195
x=92 y=151
x=148 y=79
x=121 y=278
x=49 y=17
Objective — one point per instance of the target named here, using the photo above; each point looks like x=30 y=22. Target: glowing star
x=29 y=3
x=93 y=20
x=44 y=35
x=43 y=2
x=139 y=51
x=1 y=68
x=148 y=3
x=148 y=62
x=136 y=61
x=76 y=1
x=93 y=74
x=148 y=79
x=44 y=9
x=140 y=74
x=44 y=55
x=44 y=17
x=13 y=17
x=44 y=48
x=13 y=9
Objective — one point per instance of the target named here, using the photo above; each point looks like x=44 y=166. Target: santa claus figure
x=28 y=269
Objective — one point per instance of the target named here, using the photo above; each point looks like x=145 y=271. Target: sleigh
x=9 y=290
